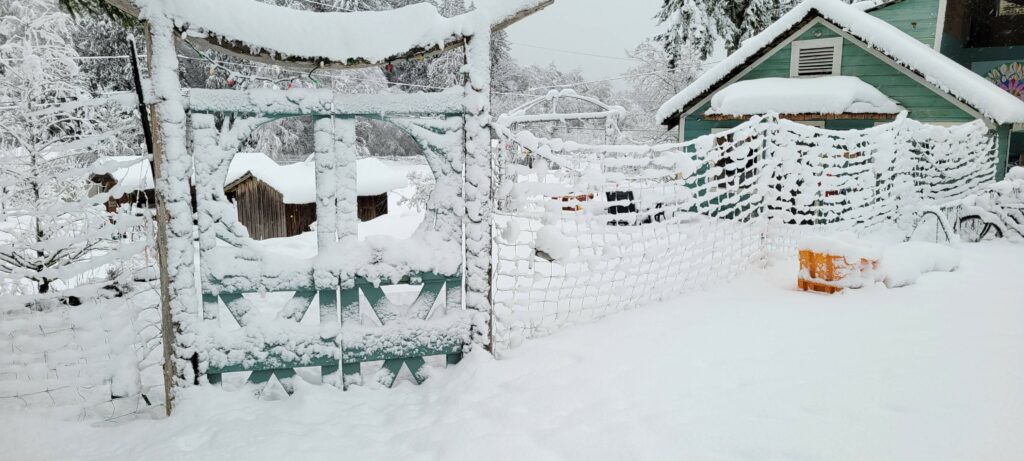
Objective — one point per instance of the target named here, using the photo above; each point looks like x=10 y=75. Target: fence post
x=178 y=302
x=478 y=193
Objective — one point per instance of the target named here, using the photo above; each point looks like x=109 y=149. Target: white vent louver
x=815 y=58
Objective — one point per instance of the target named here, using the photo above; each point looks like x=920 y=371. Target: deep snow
x=750 y=371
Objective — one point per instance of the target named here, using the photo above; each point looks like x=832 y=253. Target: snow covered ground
x=750 y=371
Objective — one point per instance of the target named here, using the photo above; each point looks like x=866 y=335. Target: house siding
x=917 y=18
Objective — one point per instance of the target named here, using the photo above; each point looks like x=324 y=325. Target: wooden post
x=478 y=194
x=166 y=334
x=178 y=302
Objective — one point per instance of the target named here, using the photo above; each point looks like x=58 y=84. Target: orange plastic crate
x=825 y=272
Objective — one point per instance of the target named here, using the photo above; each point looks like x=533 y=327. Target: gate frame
x=172 y=170
x=436 y=128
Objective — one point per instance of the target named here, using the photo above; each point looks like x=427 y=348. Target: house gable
x=919 y=61
x=923 y=101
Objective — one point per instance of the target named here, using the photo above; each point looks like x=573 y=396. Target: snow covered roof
x=871 y=5
x=822 y=95
x=297 y=182
x=938 y=70
x=132 y=173
x=265 y=32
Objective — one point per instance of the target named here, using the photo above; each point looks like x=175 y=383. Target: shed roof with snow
x=962 y=87
x=130 y=173
x=297 y=181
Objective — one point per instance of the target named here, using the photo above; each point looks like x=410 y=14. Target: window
x=815 y=58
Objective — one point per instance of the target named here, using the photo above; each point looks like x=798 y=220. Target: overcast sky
x=596 y=27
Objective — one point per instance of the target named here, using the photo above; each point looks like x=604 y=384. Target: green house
x=839 y=66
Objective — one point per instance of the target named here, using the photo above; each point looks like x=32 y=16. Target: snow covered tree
x=705 y=24
x=51 y=234
x=102 y=36
x=653 y=81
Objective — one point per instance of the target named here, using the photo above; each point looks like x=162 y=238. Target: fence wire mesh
x=100 y=360
x=585 y=231
x=92 y=356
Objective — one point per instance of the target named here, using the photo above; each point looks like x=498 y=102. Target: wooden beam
x=125 y=6
x=244 y=51
x=805 y=117
x=322 y=102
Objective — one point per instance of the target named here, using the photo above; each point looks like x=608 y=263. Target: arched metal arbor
x=551 y=108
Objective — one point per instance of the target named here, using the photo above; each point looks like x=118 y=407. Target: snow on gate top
x=338 y=37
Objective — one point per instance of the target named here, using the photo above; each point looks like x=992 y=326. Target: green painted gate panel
x=274 y=359
x=405 y=336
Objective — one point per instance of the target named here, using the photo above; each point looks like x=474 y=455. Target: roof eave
x=233 y=184
x=883 y=5
x=810 y=116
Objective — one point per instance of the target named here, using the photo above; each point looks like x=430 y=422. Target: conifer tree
x=701 y=25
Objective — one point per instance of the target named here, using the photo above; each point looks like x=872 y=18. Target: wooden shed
x=128 y=180
x=280 y=200
x=263 y=211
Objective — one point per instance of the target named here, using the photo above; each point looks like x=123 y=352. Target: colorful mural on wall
x=1010 y=77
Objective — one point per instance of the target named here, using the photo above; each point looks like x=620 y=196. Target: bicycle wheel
x=974 y=229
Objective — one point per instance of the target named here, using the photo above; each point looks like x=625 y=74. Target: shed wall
x=261 y=209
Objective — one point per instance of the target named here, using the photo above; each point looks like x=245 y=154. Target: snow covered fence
x=584 y=231
x=91 y=361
